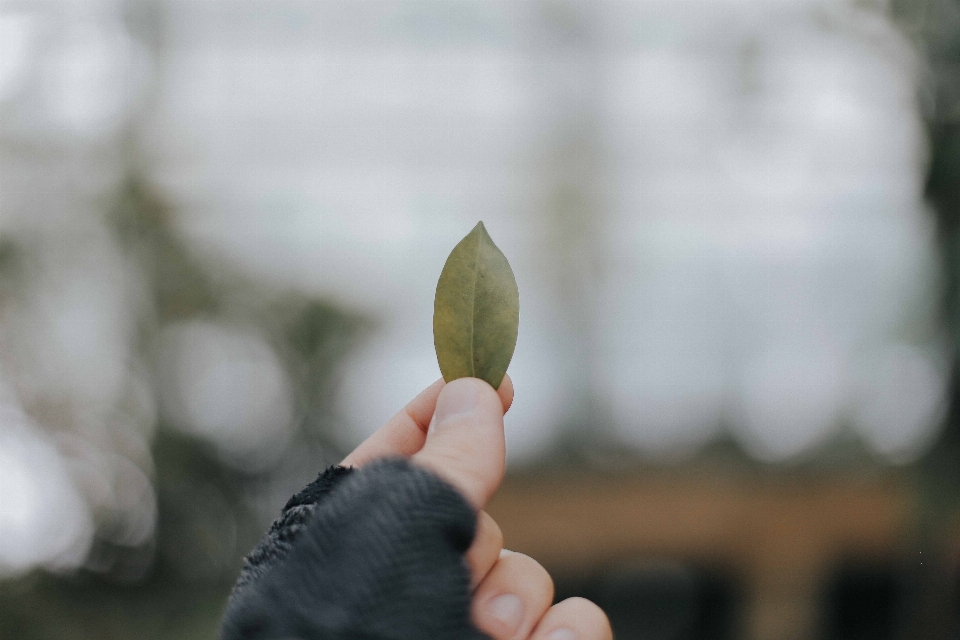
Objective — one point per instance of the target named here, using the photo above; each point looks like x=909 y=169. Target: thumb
x=465 y=443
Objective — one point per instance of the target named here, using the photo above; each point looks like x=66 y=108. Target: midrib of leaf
x=473 y=308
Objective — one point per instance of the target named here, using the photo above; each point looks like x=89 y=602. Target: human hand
x=456 y=431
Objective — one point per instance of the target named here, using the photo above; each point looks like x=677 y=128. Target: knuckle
x=589 y=613
x=486 y=547
x=532 y=571
x=488 y=528
x=464 y=459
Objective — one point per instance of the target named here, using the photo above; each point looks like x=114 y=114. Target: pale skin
x=456 y=431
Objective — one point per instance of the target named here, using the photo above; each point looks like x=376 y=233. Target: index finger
x=405 y=433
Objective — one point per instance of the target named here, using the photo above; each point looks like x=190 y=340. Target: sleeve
x=366 y=554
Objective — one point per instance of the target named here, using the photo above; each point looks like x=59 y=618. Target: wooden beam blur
x=779 y=534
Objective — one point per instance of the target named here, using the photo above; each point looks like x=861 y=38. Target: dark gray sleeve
x=370 y=554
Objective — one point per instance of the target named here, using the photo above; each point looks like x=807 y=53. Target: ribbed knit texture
x=372 y=554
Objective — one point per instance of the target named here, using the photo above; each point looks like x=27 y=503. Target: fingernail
x=507 y=609
x=562 y=634
x=458 y=398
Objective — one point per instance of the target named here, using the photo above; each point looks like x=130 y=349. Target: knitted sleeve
x=366 y=554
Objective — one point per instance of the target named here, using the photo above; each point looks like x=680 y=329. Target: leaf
x=476 y=311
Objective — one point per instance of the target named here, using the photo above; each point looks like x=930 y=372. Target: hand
x=456 y=431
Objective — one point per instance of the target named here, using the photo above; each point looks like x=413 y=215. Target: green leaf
x=476 y=311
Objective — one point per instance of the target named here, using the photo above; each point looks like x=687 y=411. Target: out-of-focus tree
x=934 y=27
x=214 y=494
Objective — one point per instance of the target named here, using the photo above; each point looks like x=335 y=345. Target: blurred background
x=736 y=231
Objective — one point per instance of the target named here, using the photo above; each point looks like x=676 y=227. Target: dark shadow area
x=865 y=602
x=662 y=600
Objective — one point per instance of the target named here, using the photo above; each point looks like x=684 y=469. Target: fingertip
x=403 y=434
x=421 y=408
x=574 y=618
x=506 y=392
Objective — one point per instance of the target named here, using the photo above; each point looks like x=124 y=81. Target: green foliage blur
x=175 y=586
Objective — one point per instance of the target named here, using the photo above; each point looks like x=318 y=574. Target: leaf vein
x=473 y=311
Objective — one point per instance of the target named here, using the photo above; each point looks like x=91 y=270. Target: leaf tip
x=481 y=229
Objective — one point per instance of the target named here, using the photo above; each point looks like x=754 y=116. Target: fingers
x=573 y=619
x=405 y=433
x=465 y=443
x=505 y=391
x=512 y=598
x=486 y=547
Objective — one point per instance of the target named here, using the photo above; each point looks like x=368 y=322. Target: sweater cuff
x=372 y=553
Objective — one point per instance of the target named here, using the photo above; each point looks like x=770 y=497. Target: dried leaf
x=476 y=311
